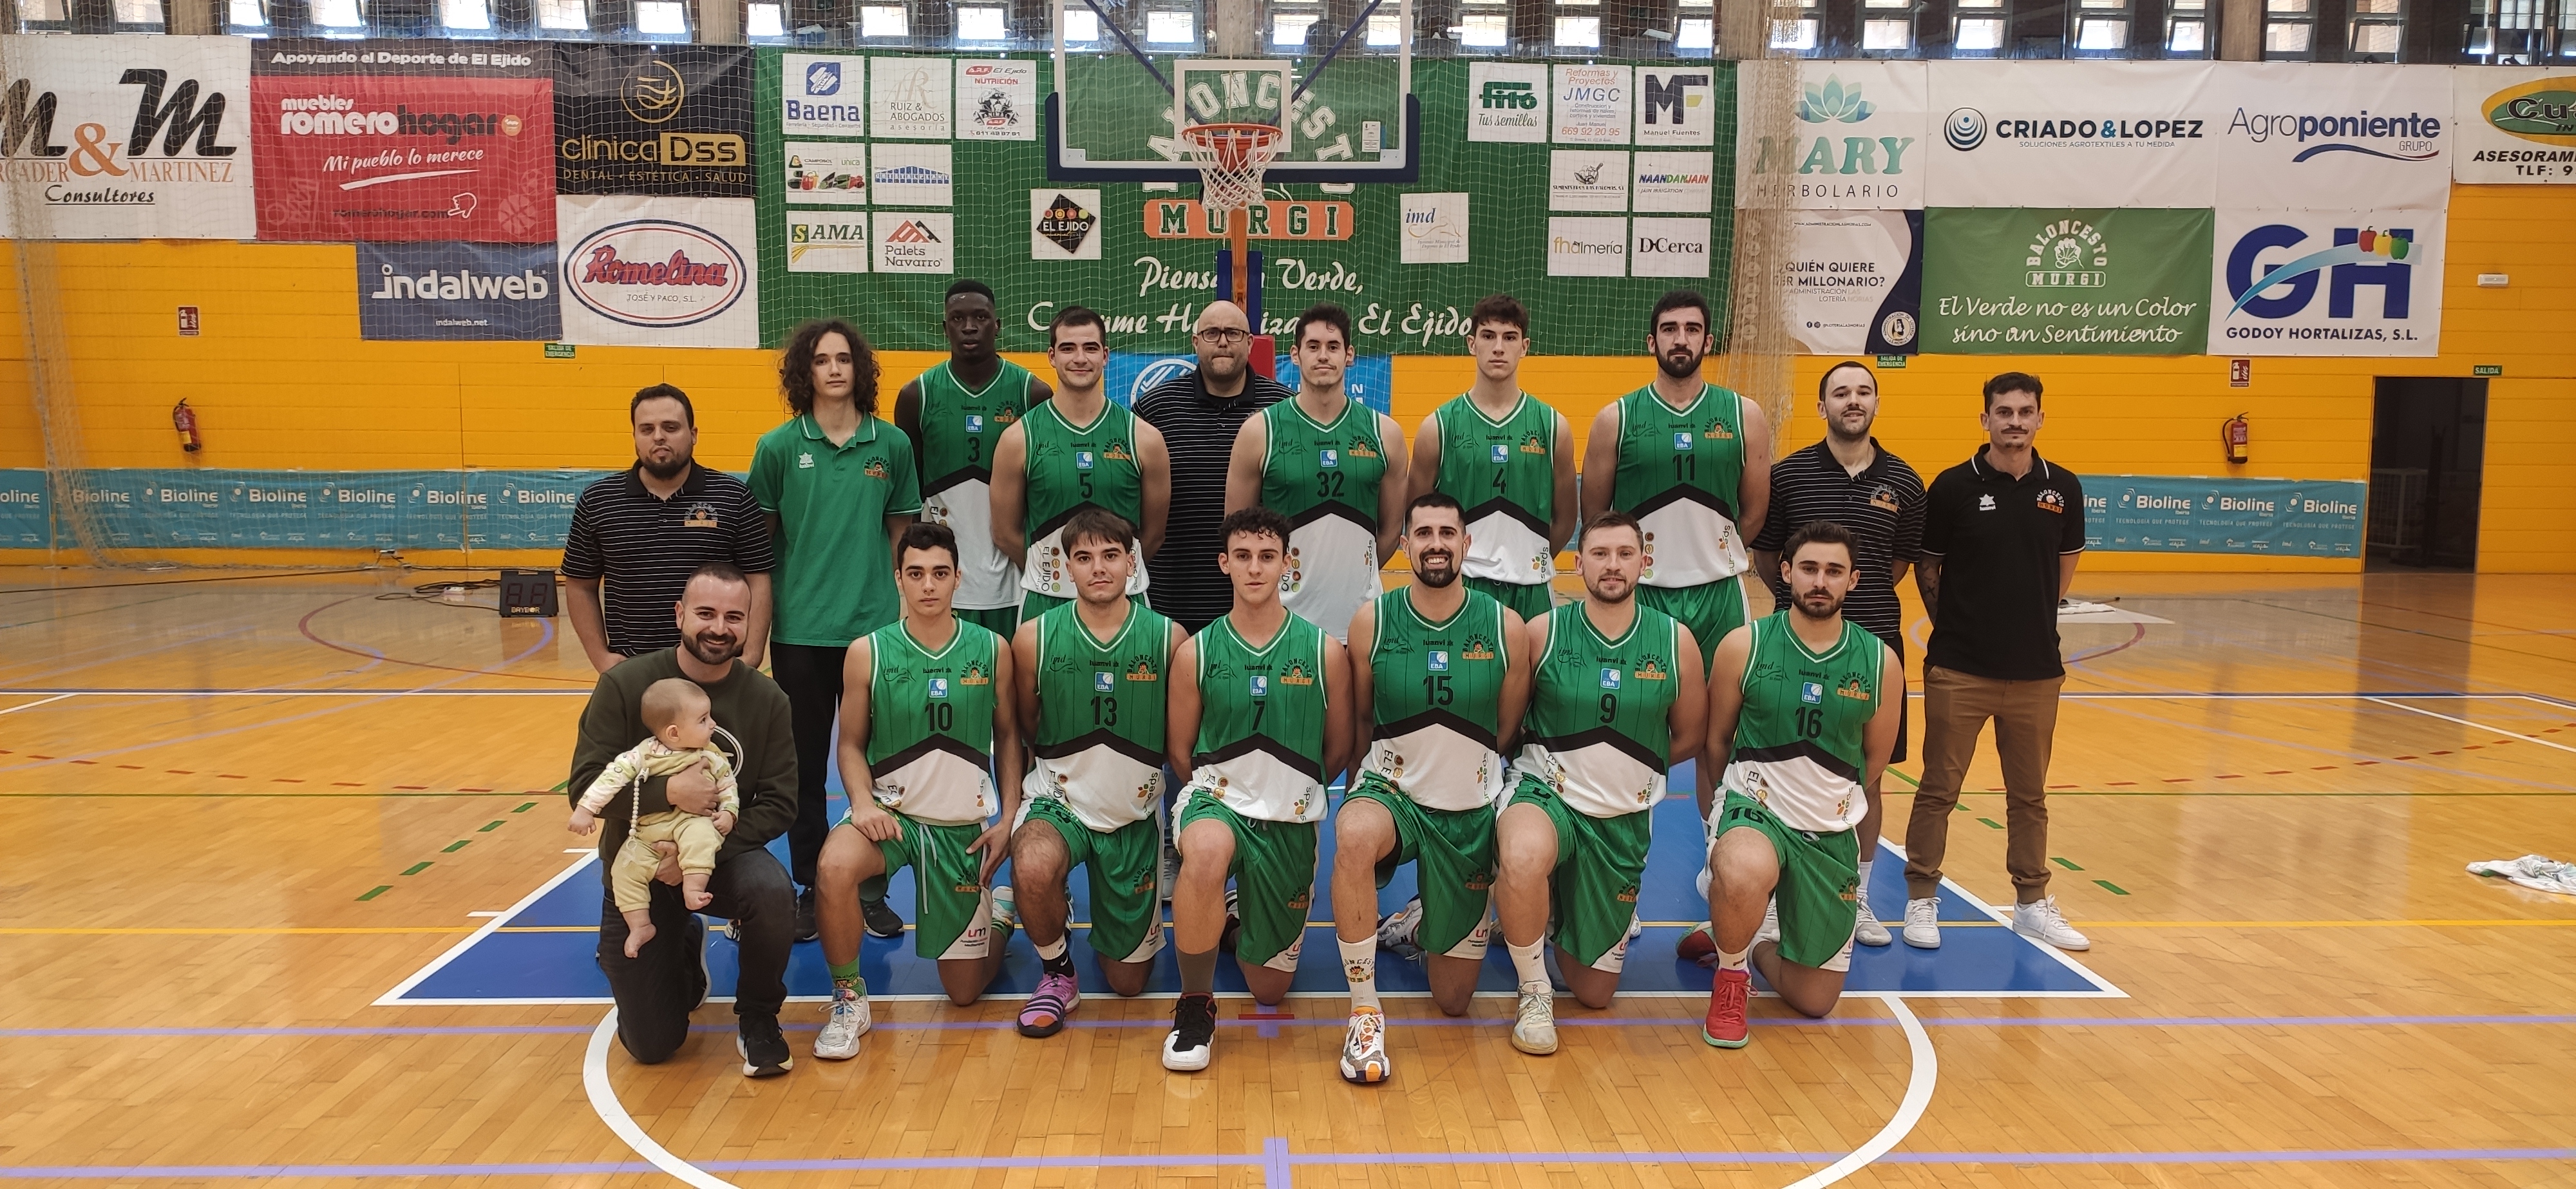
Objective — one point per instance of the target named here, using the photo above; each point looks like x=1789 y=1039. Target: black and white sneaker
x=881 y=920
x=806 y=929
x=1193 y=1037
x=762 y=1045
x=1233 y=922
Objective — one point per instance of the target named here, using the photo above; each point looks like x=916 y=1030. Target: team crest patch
x=1439 y=660
x=1103 y=683
x=1851 y=688
x=1296 y=675
x=1142 y=670
x=1651 y=670
x=1361 y=449
x=1260 y=686
x=1681 y=439
x=701 y=515
x=1478 y=649
x=1117 y=452
x=877 y=469
x=1502 y=454
x=1717 y=432
x=975 y=675
x=1883 y=499
x=938 y=687
x=2050 y=501
x=1329 y=459
x=1811 y=692
x=974 y=423
x=1609 y=678
x=1531 y=445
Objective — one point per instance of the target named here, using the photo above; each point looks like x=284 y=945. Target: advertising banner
x=828 y=242
x=2084 y=134
x=2517 y=125
x=908 y=97
x=1860 y=141
x=245 y=509
x=823 y=95
x=2327 y=283
x=1507 y=102
x=2333 y=135
x=26 y=517
x=2066 y=282
x=658 y=272
x=653 y=119
x=1676 y=106
x=2177 y=514
x=1591 y=104
x=1855 y=281
x=997 y=100
x=459 y=292
x=395 y=140
x=128 y=137
x=521 y=509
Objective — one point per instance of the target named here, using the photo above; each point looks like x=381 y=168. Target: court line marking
x=32 y=705
x=394 y=997
x=2479 y=725
x=2081 y=971
x=603 y=1102
x=1919 y=1084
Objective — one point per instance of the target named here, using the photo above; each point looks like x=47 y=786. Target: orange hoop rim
x=1231 y=144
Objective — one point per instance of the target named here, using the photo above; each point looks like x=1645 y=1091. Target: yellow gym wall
x=280 y=379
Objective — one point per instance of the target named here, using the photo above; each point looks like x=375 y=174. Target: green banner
x=1147 y=260
x=2066 y=282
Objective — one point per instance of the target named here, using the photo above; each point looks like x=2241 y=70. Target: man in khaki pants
x=2001 y=536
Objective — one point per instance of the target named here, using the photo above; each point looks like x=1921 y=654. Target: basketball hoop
x=1232 y=159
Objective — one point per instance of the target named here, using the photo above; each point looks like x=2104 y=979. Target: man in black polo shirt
x=2001 y=536
x=641 y=534
x=1851 y=480
x=1198 y=415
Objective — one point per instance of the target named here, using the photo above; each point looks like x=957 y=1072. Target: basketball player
x=922 y=723
x=1334 y=468
x=1508 y=459
x=1074 y=452
x=1091 y=695
x=956 y=413
x=1259 y=725
x=1806 y=705
x=1615 y=695
x=1692 y=462
x=1440 y=674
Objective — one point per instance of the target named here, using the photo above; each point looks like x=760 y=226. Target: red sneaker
x=1698 y=945
x=1725 y=1026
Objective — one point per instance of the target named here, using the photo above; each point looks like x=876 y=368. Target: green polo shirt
x=835 y=579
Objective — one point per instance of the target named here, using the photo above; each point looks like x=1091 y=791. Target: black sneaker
x=1193 y=1034
x=1233 y=923
x=881 y=920
x=763 y=1047
x=806 y=929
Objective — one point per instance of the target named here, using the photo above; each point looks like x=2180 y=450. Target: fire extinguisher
x=184 y=419
x=2233 y=433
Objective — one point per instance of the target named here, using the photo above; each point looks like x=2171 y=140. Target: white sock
x=1864 y=877
x=1703 y=882
x=1528 y=962
x=1054 y=951
x=1359 y=963
x=1733 y=961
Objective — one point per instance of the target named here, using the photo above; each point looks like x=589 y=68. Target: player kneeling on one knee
x=1805 y=706
x=922 y=724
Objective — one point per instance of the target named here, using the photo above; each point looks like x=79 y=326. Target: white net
x=1232 y=159
x=1759 y=347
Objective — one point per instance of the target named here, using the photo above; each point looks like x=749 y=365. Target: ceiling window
x=983 y=23
x=1580 y=33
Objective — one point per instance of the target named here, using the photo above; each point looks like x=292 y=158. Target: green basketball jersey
x=1504 y=474
x=1324 y=479
x=1436 y=694
x=1099 y=734
x=1798 y=741
x=1599 y=727
x=959 y=427
x=1679 y=475
x=1260 y=748
x=930 y=724
x=1071 y=468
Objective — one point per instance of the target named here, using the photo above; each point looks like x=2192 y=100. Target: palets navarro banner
x=128 y=138
x=653 y=119
x=2517 y=125
x=2181 y=514
x=459 y=292
x=404 y=140
x=2065 y=282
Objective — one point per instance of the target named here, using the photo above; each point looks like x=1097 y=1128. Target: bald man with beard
x=1198 y=415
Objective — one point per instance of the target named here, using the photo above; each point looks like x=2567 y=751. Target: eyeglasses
x=1223 y=336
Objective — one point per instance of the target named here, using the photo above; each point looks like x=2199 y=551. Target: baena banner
x=387 y=140
x=460 y=292
x=127 y=138
x=2065 y=282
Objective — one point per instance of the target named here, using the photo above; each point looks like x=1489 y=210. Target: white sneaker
x=1869 y=931
x=1364 y=1047
x=1923 y=923
x=2039 y=920
x=1636 y=925
x=1534 y=1032
x=1401 y=930
x=839 y=1040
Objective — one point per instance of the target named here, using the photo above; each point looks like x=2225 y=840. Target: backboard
x=1342 y=95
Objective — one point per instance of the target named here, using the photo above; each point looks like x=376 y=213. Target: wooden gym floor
x=254 y=811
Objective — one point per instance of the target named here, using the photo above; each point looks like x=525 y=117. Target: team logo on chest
x=1478 y=649
x=701 y=515
x=1811 y=692
x=975 y=675
x=1651 y=669
x=1103 y=683
x=974 y=423
x=1610 y=677
x=1851 y=688
x=1502 y=454
x=1328 y=459
x=1296 y=675
x=1082 y=460
x=1439 y=660
x=938 y=687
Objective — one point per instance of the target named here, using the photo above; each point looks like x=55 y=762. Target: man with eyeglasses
x=1199 y=413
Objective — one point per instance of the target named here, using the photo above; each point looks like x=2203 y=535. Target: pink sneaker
x=1050 y=1005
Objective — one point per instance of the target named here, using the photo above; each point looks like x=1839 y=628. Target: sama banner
x=653 y=119
x=404 y=140
x=2327 y=283
x=2170 y=514
x=128 y=138
x=459 y=292
x=2517 y=125
x=2066 y=282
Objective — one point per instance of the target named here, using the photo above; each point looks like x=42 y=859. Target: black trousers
x=658 y=988
x=811 y=677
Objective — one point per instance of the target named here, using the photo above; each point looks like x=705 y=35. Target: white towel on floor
x=2537 y=872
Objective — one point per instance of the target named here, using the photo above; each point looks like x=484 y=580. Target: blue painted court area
x=543 y=952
